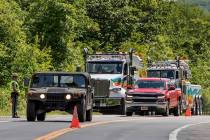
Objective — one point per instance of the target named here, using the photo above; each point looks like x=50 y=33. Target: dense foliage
x=42 y=35
x=201 y=3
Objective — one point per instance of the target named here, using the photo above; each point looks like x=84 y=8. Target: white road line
x=173 y=135
x=3 y=121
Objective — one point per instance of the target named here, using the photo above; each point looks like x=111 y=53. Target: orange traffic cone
x=75 y=121
x=188 y=111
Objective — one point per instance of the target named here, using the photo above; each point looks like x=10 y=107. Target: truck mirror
x=133 y=69
x=172 y=87
x=78 y=69
x=26 y=82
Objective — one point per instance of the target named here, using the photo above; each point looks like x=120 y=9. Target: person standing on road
x=15 y=91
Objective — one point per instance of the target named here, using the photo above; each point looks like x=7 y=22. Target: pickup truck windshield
x=66 y=81
x=150 y=84
x=161 y=73
x=105 y=67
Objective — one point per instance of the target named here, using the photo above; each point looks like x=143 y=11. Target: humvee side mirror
x=26 y=82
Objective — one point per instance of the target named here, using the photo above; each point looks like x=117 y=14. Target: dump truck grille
x=101 y=87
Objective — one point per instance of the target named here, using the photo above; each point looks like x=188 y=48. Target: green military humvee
x=49 y=91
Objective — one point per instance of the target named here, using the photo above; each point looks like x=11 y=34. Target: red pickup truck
x=157 y=95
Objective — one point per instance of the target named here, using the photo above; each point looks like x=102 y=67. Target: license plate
x=144 y=108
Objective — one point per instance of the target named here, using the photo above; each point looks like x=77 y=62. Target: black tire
x=31 y=111
x=177 y=109
x=167 y=110
x=122 y=107
x=194 y=108
x=82 y=110
x=201 y=107
x=129 y=113
x=41 y=117
x=89 y=114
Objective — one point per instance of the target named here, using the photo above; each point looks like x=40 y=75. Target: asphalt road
x=107 y=127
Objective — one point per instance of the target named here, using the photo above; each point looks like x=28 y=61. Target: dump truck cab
x=111 y=74
x=49 y=91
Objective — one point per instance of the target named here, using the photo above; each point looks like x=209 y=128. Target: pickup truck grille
x=55 y=97
x=146 y=98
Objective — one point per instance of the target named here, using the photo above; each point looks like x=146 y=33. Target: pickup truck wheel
x=122 y=107
x=177 y=109
x=82 y=110
x=129 y=113
x=166 y=112
x=31 y=111
x=41 y=117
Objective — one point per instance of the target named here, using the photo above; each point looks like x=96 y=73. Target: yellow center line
x=57 y=133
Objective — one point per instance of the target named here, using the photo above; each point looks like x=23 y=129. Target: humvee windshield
x=52 y=80
x=105 y=67
x=161 y=73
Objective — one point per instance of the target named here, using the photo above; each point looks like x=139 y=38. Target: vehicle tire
x=177 y=109
x=31 y=111
x=122 y=107
x=201 y=107
x=89 y=114
x=197 y=107
x=194 y=108
x=41 y=117
x=167 y=110
x=129 y=113
x=81 y=107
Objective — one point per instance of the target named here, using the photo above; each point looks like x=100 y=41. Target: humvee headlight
x=42 y=96
x=68 y=97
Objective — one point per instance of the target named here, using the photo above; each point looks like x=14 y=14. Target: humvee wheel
x=41 y=117
x=82 y=110
x=31 y=111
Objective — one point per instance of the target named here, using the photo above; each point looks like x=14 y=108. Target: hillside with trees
x=205 y=4
x=49 y=35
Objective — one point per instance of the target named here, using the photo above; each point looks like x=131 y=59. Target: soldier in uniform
x=15 y=91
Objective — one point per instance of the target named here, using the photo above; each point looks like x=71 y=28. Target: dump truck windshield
x=105 y=67
x=161 y=73
x=150 y=84
x=66 y=81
